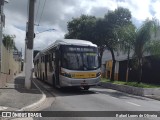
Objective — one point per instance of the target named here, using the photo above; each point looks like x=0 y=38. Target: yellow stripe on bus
x=83 y=75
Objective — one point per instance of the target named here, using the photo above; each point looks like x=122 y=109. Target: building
x=10 y=66
x=150 y=69
x=17 y=56
x=107 y=63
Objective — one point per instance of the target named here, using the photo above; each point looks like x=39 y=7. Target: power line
x=46 y=31
x=42 y=12
x=37 y=11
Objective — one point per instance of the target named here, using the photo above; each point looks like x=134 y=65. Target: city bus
x=69 y=62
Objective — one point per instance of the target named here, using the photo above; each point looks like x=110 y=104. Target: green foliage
x=8 y=41
x=101 y=31
x=145 y=43
x=153 y=47
x=127 y=36
x=113 y=21
x=82 y=28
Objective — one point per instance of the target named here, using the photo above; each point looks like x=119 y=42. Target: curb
x=36 y=104
x=128 y=89
x=155 y=98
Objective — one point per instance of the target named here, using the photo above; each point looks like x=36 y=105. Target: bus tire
x=86 y=87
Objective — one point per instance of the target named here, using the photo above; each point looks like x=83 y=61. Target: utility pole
x=29 y=45
x=24 y=62
x=1 y=29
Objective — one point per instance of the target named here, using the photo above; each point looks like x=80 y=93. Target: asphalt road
x=96 y=99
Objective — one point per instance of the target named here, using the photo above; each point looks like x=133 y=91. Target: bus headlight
x=66 y=74
x=98 y=74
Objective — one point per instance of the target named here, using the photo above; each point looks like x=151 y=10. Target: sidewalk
x=14 y=96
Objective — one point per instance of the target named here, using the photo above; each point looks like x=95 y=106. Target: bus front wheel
x=86 y=87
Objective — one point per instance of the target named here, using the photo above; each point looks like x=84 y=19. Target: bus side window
x=46 y=59
x=37 y=62
x=42 y=59
x=53 y=56
x=50 y=62
x=53 y=60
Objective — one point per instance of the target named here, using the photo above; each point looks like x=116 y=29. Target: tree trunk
x=101 y=53
x=113 y=64
x=139 y=71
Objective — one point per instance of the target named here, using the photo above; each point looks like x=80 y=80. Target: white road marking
x=133 y=103
x=3 y=108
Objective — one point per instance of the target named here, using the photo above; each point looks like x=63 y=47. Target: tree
x=144 y=43
x=114 y=20
x=81 y=28
x=8 y=41
x=127 y=35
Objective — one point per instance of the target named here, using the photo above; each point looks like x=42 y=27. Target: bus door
x=57 y=66
x=37 y=68
x=50 y=68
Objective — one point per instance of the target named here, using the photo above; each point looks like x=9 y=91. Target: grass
x=134 y=84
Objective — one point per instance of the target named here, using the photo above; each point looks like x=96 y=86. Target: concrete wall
x=132 y=90
x=9 y=67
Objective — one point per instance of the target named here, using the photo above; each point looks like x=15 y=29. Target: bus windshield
x=80 y=59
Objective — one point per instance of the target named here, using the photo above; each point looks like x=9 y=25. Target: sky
x=57 y=13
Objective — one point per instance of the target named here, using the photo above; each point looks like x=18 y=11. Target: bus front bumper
x=65 y=81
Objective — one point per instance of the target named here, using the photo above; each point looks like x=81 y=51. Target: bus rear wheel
x=86 y=87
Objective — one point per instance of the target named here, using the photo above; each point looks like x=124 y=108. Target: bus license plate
x=83 y=84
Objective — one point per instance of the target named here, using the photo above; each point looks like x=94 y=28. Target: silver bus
x=69 y=62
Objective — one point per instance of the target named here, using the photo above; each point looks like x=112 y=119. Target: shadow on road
x=72 y=91
x=75 y=91
x=19 y=85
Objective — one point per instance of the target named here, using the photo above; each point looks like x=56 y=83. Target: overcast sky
x=57 y=13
